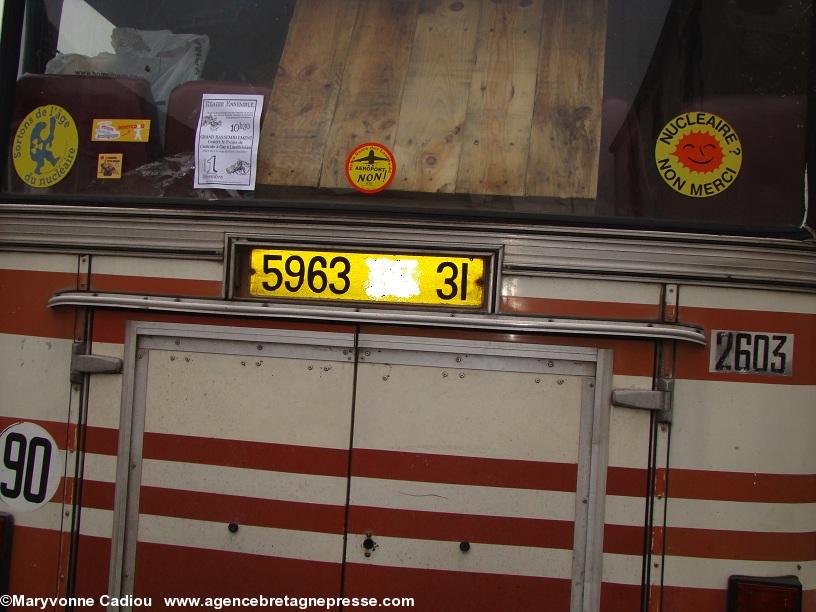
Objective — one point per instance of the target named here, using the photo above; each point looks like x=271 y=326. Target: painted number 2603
x=751 y=352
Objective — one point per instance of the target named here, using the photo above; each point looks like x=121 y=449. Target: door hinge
x=658 y=400
x=82 y=364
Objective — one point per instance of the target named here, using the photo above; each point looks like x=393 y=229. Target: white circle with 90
x=30 y=466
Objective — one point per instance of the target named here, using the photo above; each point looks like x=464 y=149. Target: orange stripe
x=620 y=597
x=693 y=361
x=24 y=299
x=623 y=539
x=97 y=494
x=215 y=573
x=684 y=599
x=63 y=433
x=742 y=487
x=425 y=467
x=109 y=326
x=245 y=454
x=511 y=531
x=630 y=482
x=748 y=545
x=549 y=307
x=34 y=561
x=226 y=509
x=156 y=286
x=93 y=558
x=101 y=440
x=443 y=591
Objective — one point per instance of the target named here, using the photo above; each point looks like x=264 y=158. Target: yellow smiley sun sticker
x=370 y=167
x=698 y=154
x=45 y=146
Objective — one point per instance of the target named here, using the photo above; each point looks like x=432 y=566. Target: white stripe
x=477 y=413
x=100 y=468
x=261 y=484
x=48 y=516
x=39 y=262
x=741 y=516
x=287 y=401
x=105 y=395
x=574 y=289
x=629 y=429
x=744 y=427
x=463 y=499
x=441 y=555
x=158 y=267
x=621 y=510
x=96 y=522
x=713 y=573
x=249 y=539
x=34 y=377
x=746 y=299
x=622 y=569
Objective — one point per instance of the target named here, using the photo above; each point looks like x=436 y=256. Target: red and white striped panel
x=633 y=365
x=35 y=358
x=154 y=276
x=183 y=277
x=259 y=441
x=742 y=477
x=591 y=299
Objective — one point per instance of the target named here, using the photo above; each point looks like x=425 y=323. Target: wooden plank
x=305 y=92
x=370 y=97
x=434 y=103
x=500 y=107
x=566 y=129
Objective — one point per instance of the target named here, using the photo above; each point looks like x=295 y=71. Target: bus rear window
x=666 y=113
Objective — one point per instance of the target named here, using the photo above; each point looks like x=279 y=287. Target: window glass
x=666 y=113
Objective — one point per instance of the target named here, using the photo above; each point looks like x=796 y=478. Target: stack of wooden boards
x=472 y=96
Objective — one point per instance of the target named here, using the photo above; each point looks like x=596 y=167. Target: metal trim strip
x=539 y=251
x=119 y=301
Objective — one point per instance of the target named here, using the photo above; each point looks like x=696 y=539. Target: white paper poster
x=227 y=137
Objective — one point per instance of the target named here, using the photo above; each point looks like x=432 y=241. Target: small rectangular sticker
x=744 y=352
x=120 y=130
x=109 y=166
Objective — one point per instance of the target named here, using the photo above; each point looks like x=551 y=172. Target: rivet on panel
x=461 y=374
x=560 y=381
x=444 y=374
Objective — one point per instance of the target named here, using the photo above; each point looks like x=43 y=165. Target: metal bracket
x=82 y=364
x=658 y=400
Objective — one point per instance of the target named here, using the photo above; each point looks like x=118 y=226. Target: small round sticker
x=30 y=466
x=45 y=146
x=698 y=154
x=370 y=167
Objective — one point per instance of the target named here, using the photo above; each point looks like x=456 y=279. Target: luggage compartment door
x=478 y=474
x=234 y=476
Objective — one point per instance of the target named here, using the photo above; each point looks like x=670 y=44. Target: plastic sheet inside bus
x=685 y=114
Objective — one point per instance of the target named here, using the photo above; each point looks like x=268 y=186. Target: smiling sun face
x=699 y=152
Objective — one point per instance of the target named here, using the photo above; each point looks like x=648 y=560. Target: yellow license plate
x=386 y=278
